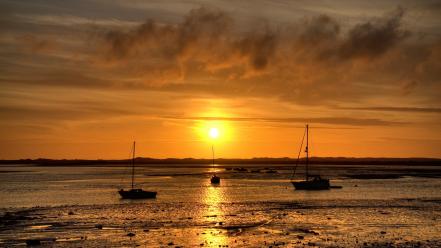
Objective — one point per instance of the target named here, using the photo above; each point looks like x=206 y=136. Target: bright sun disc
x=214 y=132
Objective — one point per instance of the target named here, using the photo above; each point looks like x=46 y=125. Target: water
x=80 y=207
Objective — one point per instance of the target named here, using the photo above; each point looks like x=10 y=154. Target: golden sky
x=83 y=79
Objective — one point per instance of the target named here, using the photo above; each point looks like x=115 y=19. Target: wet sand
x=246 y=210
x=370 y=223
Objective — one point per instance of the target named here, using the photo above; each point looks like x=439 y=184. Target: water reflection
x=213 y=197
x=215 y=169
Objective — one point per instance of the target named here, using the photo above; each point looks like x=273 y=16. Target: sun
x=214 y=132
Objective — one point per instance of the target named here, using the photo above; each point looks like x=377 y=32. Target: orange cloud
x=312 y=62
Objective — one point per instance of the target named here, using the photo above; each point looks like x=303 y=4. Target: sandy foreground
x=314 y=223
x=389 y=207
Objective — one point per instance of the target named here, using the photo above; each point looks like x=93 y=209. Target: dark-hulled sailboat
x=311 y=182
x=133 y=193
x=214 y=179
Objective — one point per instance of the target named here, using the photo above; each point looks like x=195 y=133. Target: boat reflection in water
x=213 y=213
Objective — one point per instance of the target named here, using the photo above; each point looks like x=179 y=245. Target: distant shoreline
x=222 y=161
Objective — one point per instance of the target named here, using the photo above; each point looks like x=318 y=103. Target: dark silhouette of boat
x=311 y=182
x=214 y=179
x=133 y=193
x=137 y=194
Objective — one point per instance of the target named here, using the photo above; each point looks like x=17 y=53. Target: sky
x=85 y=78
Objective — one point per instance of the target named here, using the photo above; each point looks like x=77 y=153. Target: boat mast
x=133 y=164
x=307 y=151
x=212 y=153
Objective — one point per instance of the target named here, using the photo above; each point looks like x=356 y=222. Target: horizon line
x=220 y=158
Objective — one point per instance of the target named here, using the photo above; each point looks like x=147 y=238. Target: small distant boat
x=311 y=182
x=133 y=193
x=214 y=179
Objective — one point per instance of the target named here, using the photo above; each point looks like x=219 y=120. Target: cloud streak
x=398 y=109
x=313 y=120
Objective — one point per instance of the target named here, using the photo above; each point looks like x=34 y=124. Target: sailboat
x=311 y=182
x=133 y=193
x=214 y=179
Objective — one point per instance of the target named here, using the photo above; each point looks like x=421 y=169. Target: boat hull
x=137 y=194
x=322 y=184
x=215 y=180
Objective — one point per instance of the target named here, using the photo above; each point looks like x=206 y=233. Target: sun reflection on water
x=213 y=197
x=214 y=169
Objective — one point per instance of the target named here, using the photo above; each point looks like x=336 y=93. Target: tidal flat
x=80 y=207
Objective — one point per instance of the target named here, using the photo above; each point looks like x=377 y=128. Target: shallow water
x=80 y=207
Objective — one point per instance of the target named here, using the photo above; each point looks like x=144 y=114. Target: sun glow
x=214 y=132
